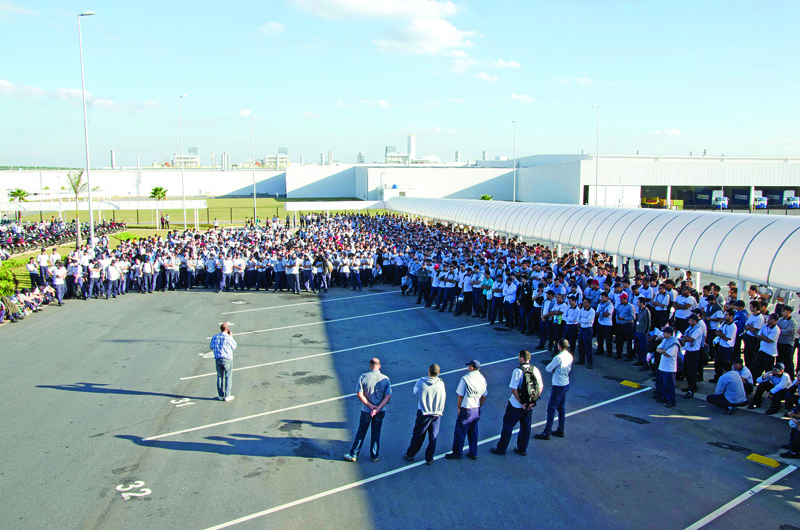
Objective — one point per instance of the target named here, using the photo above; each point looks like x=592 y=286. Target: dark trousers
x=467 y=427
x=585 y=345
x=524 y=320
x=366 y=421
x=721 y=402
x=425 y=424
x=786 y=356
x=750 y=344
x=556 y=333
x=723 y=354
x=605 y=336
x=681 y=324
x=466 y=307
x=513 y=416
x=544 y=334
x=556 y=403
x=535 y=319
x=571 y=334
x=497 y=307
x=767 y=386
x=691 y=360
x=665 y=385
x=509 y=310
x=640 y=343
x=625 y=336
x=763 y=362
x=424 y=292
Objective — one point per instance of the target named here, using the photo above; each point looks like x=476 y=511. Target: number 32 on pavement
x=138 y=485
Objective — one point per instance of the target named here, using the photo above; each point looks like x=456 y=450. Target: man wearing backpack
x=526 y=387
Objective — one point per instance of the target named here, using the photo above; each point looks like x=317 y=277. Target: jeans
x=224 y=376
x=425 y=423
x=497 y=305
x=571 y=334
x=640 y=343
x=604 y=335
x=365 y=421
x=557 y=403
x=513 y=416
x=467 y=427
x=585 y=344
x=665 y=386
x=544 y=334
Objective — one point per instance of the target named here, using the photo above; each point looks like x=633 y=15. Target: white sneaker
x=229 y=398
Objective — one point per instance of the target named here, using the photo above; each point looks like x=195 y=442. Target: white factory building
x=622 y=181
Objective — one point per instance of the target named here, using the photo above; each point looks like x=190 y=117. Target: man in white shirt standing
x=667 y=368
x=472 y=393
x=59 y=281
x=768 y=350
x=560 y=366
x=520 y=405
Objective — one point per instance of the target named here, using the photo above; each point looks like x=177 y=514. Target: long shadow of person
x=103 y=388
x=251 y=445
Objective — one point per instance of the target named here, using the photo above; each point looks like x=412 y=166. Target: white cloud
x=99 y=102
x=666 y=132
x=271 y=27
x=389 y=9
x=382 y=103
x=151 y=103
x=70 y=93
x=341 y=104
x=584 y=81
x=245 y=113
x=371 y=103
x=15 y=9
x=483 y=76
x=451 y=131
x=521 y=97
x=500 y=63
x=455 y=53
x=455 y=100
x=425 y=36
x=19 y=91
x=308 y=114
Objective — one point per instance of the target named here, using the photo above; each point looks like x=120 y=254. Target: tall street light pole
x=597 y=160
x=253 y=146
x=86 y=133
x=514 y=193
x=183 y=188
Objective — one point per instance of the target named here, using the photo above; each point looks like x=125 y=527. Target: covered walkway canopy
x=763 y=249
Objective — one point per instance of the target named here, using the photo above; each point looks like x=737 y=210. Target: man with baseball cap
x=471 y=395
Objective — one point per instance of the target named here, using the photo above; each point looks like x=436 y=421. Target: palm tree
x=20 y=195
x=487 y=197
x=158 y=193
x=77 y=184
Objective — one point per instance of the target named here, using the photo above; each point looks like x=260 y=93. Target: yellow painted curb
x=763 y=460
x=631 y=384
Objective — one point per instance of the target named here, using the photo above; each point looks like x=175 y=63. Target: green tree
x=158 y=193
x=20 y=195
x=77 y=184
x=487 y=197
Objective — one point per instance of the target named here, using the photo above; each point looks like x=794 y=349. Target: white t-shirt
x=516 y=380
x=669 y=363
x=472 y=387
x=772 y=333
x=684 y=313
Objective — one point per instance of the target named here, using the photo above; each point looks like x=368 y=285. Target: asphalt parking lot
x=113 y=399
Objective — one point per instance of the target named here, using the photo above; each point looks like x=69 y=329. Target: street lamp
x=597 y=160
x=253 y=146
x=183 y=189
x=86 y=133
x=514 y=193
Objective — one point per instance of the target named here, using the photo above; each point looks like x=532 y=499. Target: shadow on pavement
x=102 y=388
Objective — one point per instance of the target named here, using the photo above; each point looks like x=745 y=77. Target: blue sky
x=357 y=75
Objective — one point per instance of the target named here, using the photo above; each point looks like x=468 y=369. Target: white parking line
x=324 y=321
x=348 y=298
x=393 y=472
x=338 y=351
x=741 y=498
x=295 y=407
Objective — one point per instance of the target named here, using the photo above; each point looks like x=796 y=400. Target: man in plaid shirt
x=222 y=344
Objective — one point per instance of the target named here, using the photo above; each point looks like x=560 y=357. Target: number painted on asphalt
x=182 y=402
x=238 y=302
x=139 y=484
x=206 y=355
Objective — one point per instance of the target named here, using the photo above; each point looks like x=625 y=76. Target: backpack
x=529 y=390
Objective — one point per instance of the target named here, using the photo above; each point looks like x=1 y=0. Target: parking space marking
x=348 y=298
x=741 y=498
x=336 y=351
x=321 y=402
x=324 y=321
x=359 y=483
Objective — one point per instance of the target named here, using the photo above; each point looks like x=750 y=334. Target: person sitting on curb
x=730 y=390
x=775 y=382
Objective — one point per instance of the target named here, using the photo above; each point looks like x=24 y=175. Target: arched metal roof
x=753 y=248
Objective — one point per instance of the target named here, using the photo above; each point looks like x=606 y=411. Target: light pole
x=253 y=146
x=597 y=161
x=183 y=188
x=86 y=132
x=514 y=192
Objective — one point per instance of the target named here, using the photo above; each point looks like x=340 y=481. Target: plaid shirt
x=223 y=345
